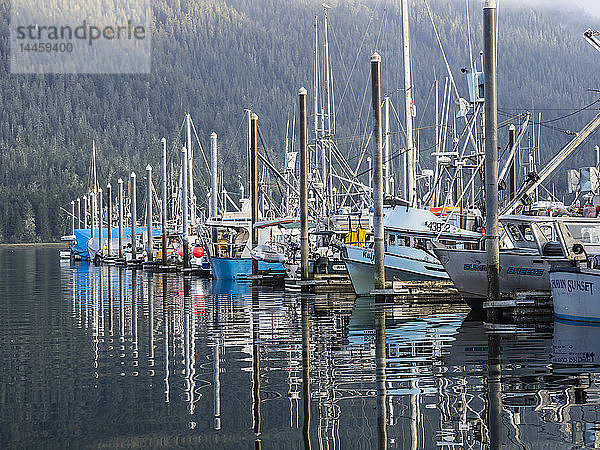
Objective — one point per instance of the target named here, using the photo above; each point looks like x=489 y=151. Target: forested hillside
x=214 y=58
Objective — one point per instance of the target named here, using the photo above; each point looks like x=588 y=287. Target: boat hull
x=234 y=268
x=576 y=293
x=518 y=272
x=414 y=265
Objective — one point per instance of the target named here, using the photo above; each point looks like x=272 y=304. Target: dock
x=523 y=306
x=321 y=284
x=419 y=292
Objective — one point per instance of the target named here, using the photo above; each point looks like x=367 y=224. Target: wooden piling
x=109 y=218
x=491 y=153
x=149 y=236
x=120 y=218
x=379 y=267
x=303 y=186
x=133 y=206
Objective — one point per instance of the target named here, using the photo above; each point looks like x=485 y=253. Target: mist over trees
x=214 y=58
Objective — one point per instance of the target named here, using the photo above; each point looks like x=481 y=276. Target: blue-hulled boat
x=80 y=248
x=236 y=268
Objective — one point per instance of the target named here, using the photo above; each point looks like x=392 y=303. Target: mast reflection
x=256 y=411
x=166 y=334
x=306 y=372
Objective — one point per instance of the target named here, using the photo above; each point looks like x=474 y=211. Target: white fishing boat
x=576 y=293
x=530 y=246
x=409 y=233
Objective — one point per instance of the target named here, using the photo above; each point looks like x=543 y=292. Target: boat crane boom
x=593 y=37
x=534 y=182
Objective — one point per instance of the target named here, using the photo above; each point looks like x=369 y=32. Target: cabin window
x=403 y=241
x=548 y=232
x=392 y=239
x=471 y=246
x=420 y=243
x=527 y=233
x=448 y=243
x=586 y=233
x=520 y=233
x=514 y=232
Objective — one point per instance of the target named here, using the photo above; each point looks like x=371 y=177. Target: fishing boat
x=230 y=256
x=409 y=233
x=86 y=247
x=70 y=240
x=530 y=247
x=576 y=293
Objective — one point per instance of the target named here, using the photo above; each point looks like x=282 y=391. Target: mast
x=163 y=204
x=328 y=83
x=94 y=205
x=94 y=174
x=437 y=135
x=408 y=103
x=149 y=230
x=386 y=155
x=190 y=156
x=287 y=173
x=249 y=145
x=316 y=87
x=184 y=205
x=214 y=184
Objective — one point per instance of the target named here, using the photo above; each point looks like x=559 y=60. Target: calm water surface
x=103 y=357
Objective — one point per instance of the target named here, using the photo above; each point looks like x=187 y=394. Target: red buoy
x=198 y=252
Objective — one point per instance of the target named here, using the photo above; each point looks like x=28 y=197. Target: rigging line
x=437 y=36
x=362 y=154
x=533 y=122
x=269 y=157
x=574 y=111
x=357 y=54
x=503 y=152
x=176 y=140
x=425 y=108
x=571 y=114
x=199 y=144
x=368 y=82
x=345 y=69
x=391 y=158
x=546 y=109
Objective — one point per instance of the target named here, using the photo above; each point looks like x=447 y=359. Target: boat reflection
x=236 y=365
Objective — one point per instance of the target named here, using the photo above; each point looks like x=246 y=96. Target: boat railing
x=227 y=249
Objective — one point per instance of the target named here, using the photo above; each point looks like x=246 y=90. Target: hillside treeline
x=214 y=58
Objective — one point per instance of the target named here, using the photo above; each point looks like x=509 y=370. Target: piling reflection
x=380 y=375
x=494 y=386
x=230 y=365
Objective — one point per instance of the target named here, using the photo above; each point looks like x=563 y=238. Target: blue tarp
x=83 y=235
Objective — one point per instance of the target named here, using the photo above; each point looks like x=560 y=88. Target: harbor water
x=104 y=357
